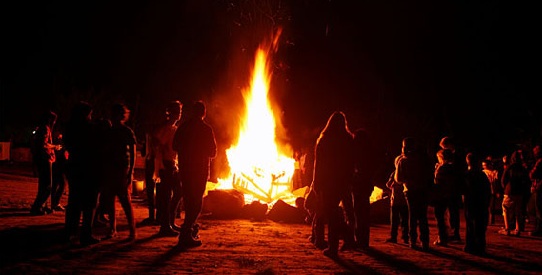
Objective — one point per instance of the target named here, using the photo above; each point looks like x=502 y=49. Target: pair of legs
x=168 y=197
x=193 y=187
x=119 y=187
x=399 y=217
x=417 y=212
x=44 y=171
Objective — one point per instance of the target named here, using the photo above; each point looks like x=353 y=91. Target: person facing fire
x=195 y=144
x=333 y=172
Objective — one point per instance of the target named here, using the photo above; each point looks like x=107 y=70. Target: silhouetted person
x=446 y=176
x=477 y=197
x=333 y=174
x=366 y=162
x=80 y=141
x=59 y=172
x=150 y=183
x=195 y=144
x=414 y=171
x=166 y=171
x=496 y=189
x=398 y=211
x=456 y=191
x=121 y=148
x=536 y=189
x=43 y=157
x=514 y=179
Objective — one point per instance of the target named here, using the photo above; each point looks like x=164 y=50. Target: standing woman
x=43 y=156
x=333 y=173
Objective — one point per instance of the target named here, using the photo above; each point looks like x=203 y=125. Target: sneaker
x=504 y=231
x=111 y=235
x=330 y=253
x=149 y=221
x=37 y=212
x=59 y=208
x=167 y=232
x=425 y=246
x=391 y=240
x=454 y=238
x=516 y=233
x=189 y=243
x=176 y=227
x=89 y=241
x=440 y=243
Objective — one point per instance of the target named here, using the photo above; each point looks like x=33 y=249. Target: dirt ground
x=30 y=245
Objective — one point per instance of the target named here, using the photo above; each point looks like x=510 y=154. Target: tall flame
x=258 y=168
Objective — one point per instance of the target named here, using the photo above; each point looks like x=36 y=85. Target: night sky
x=397 y=68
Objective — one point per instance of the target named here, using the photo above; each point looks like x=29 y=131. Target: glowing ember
x=258 y=168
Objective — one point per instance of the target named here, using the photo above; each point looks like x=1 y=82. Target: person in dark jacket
x=515 y=178
x=414 y=171
x=477 y=197
x=195 y=144
x=80 y=141
x=43 y=157
x=333 y=174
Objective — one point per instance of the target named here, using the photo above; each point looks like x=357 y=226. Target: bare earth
x=30 y=245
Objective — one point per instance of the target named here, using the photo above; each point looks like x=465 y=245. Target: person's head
x=119 y=113
x=82 y=111
x=445 y=155
x=409 y=145
x=174 y=110
x=487 y=164
x=473 y=161
x=198 y=109
x=537 y=151
x=49 y=118
x=336 y=123
x=447 y=143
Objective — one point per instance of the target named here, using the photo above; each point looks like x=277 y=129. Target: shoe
x=37 y=212
x=176 y=227
x=111 y=235
x=516 y=233
x=454 y=238
x=330 y=253
x=320 y=244
x=391 y=240
x=149 y=221
x=188 y=243
x=167 y=232
x=425 y=246
x=413 y=245
x=195 y=231
x=406 y=241
x=348 y=246
x=535 y=233
x=440 y=243
x=59 y=208
x=504 y=231
x=89 y=241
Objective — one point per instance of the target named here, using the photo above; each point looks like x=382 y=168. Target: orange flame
x=258 y=168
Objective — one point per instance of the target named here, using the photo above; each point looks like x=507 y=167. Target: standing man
x=166 y=170
x=195 y=145
x=43 y=156
x=414 y=171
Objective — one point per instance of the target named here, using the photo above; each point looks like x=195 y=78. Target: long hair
x=336 y=126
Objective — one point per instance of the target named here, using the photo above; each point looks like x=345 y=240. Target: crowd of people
x=98 y=160
x=344 y=177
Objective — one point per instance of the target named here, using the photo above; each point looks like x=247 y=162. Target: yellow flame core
x=257 y=166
